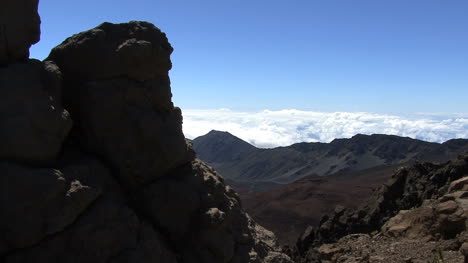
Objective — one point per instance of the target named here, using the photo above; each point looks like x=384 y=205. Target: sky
x=399 y=58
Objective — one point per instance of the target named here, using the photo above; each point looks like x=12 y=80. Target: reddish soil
x=289 y=209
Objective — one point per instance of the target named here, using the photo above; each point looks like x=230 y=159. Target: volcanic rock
x=37 y=203
x=19 y=29
x=423 y=187
x=136 y=50
x=120 y=72
x=444 y=218
x=123 y=185
x=33 y=124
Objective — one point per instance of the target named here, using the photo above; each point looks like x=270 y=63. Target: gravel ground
x=363 y=248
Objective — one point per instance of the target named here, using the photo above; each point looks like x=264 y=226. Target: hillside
x=419 y=214
x=289 y=209
x=355 y=167
x=240 y=162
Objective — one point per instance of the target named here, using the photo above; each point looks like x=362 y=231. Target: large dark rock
x=19 y=29
x=37 y=203
x=120 y=72
x=147 y=199
x=108 y=232
x=33 y=124
x=203 y=217
x=136 y=50
x=78 y=213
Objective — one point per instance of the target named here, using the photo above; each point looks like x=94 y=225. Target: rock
x=327 y=251
x=464 y=251
x=224 y=233
x=443 y=218
x=460 y=184
x=135 y=50
x=147 y=199
x=411 y=187
x=37 y=203
x=120 y=72
x=107 y=232
x=88 y=215
x=19 y=29
x=447 y=207
x=33 y=124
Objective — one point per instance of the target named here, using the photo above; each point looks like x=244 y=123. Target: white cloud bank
x=285 y=127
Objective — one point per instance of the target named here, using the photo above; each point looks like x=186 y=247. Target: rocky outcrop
x=19 y=29
x=120 y=72
x=122 y=184
x=432 y=232
x=33 y=123
x=408 y=188
x=442 y=218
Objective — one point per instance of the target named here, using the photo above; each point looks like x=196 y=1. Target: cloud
x=284 y=127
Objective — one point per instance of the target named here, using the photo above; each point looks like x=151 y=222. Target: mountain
x=343 y=172
x=240 y=162
x=94 y=166
x=218 y=147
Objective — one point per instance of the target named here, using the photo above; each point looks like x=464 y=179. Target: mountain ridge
x=287 y=164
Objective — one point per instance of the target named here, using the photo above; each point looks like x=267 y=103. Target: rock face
x=33 y=124
x=442 y=218
x=424 y=202
x=19 y=29
x=120 y=72
x=122 y=184
x=436 y=230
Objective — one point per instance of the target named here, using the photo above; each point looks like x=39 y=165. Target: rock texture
x=19 y=29
x=381 y=249
x=120 y=72
x=33 y=123
x=442 y=218
x=122 y=184
x=425 y=202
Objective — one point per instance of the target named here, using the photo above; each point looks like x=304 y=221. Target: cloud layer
x=284 y=127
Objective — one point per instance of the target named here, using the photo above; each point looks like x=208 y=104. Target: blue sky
x=381 y=56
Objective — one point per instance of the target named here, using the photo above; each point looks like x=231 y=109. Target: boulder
x=203 y=217
x=19 y=29
x=444 y=218
x=33 y=124
x=147 y=199
x=136 y=50
x=460 y=184
x=37 y=203
x=76 y=214
x=120 y=72
x=107 y=232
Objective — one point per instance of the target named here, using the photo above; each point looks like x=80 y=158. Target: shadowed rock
x=147 y=199
x=117 y=89
x=135 y=50
x=19 y=29
x=33 y=124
